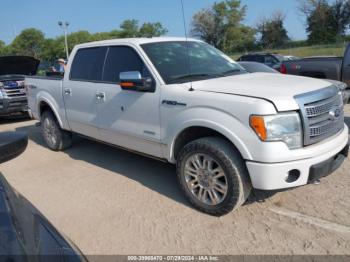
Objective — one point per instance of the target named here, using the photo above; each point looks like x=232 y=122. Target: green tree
x=320 y=28
x=152 y=30
x=52 y=50
x=32 y=42
x=326 y=21
x=341 y=17
x=129 y=28
x=106 y=35
x=2 y=47
x=272 y=32
x=222 y=26
x=29 y=42
x=78 y=38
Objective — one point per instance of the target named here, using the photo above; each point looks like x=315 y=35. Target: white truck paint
x=158 y=122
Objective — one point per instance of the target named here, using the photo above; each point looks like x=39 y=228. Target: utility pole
x=64 y=26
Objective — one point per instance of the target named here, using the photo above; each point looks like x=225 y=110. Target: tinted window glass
x=122 y=59
x=180 y=61
x=270 y=60
x=259 y=59
x=246 y=58
x=88 y=64
x=253 y=67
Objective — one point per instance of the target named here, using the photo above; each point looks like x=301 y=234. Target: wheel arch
x=194 y=132
x=45 y=105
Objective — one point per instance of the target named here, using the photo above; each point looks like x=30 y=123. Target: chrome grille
x=14 y=89
x=322 y=113
x=321 y=107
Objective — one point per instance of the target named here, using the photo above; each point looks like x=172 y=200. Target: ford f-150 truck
x=185 y=102
x=13 y=99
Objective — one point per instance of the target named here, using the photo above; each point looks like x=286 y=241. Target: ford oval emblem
x=334 y=113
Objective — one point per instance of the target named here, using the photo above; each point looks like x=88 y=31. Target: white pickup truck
x=189 y=104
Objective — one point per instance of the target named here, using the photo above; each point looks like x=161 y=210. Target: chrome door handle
x=100 y=95
x=67 y=91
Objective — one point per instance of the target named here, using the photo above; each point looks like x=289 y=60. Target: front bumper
x=329 y=166
x=272 y=176
x=9 y=106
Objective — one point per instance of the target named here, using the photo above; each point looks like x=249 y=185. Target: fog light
x=293 y=175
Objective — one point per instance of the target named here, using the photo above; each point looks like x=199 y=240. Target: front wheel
x=56 y=138
x=213 y=176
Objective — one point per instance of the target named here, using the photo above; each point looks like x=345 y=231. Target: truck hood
x=18 y=65
x=277 y=88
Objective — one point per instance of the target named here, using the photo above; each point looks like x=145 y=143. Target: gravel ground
x=108 y=201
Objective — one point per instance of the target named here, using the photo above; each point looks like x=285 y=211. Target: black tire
x=56 y=138
x=238 y=185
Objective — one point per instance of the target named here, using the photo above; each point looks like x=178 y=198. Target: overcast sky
x=106 y=15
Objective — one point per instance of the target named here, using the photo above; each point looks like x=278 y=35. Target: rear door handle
x=100 y=95
x=67 y=91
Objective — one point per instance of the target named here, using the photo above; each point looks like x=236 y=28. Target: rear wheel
x=56 y=138
x=213 y=176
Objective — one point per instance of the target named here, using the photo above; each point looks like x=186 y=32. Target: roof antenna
x=187 y=44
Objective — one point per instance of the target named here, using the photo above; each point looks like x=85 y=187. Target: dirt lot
x=113 y=202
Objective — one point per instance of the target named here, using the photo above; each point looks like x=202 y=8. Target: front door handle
x=67 y=91
x=100 y=96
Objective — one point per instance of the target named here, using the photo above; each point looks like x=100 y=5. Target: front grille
x=15 y=92
x=14 y=89
x=322 y=114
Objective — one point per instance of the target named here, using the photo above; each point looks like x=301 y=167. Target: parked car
x=254 y=67
x=225 y=129
x=25 y=234
x=290 y=58
x=13 y=98
x=272 y=60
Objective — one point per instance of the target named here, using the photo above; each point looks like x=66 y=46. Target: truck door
x=128 y=118
x=80 y=90
x=346 y=67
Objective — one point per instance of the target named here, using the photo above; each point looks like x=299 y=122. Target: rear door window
x=259 y=59
x=88 y=64
x=246 y=58
x=122 y=59
x=270 y=60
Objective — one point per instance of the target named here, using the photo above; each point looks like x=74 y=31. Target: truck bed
x=317 y=67
x=51 y=85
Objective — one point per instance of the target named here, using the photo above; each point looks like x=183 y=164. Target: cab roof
x=136 y=41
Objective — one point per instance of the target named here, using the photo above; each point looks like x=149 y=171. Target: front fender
x=232 y=128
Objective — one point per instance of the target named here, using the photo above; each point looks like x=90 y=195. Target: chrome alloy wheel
x=206 y=179
x=49 y=131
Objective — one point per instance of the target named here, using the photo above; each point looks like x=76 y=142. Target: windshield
x=180 y=61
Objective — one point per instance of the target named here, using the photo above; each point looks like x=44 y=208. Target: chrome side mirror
x=134 y=81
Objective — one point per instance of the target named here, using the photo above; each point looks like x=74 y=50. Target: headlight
x=342 y=88
x=285 y=127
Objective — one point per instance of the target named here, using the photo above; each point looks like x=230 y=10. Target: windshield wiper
x=190 y=76
x=232 y=71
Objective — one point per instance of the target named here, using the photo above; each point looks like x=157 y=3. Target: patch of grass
x=317 y=50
